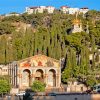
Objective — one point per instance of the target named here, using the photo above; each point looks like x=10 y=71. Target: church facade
x=39 y=67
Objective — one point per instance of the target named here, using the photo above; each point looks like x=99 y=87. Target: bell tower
x=87 y=28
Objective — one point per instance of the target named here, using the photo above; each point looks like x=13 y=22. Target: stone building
x=39 y=67
x=76 y=87
x=3 y=70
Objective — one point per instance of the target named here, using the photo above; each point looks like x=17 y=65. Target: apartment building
x=31 y=10
x=50 y=9
x=64 y=9
x=40 y=9
x=73 y=10
x=84 y=10
x=69 y=10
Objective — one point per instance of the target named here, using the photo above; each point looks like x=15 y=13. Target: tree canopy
x=4 y=86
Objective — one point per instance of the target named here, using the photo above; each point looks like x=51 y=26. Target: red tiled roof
x=64 y=6
x=84 y=8
x=33 y=7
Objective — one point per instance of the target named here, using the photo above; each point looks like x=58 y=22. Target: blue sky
x=7 y=6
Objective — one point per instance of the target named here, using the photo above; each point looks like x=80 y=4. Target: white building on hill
x=69 y=10
x=50 y=9
x=31 y=10
x=64 y=9
x=12 y=14
x=73 y=10
x=84 y=10
x=40 y=9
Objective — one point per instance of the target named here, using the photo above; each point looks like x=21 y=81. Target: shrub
x=4 y=86
x=38 y=86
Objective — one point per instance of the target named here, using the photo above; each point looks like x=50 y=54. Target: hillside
x=26 y=35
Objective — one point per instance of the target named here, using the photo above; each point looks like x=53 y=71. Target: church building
x=77 y=25
x=39 y=67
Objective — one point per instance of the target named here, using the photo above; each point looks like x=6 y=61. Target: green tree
x=6 y=28
x=91 y=81
x=4 y=86
x=84 y=63
x=38 y=86
x=70 y=70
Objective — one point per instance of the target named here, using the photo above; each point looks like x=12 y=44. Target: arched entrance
x=26 y=80
x=0 y=71
x=39 y=75
x=52 y=78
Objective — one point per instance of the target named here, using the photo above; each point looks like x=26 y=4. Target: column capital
x=20 y=75
x=45 y=75
x=57 y=74
x=32 y=75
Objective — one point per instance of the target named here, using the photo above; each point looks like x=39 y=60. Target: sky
x=7 y=6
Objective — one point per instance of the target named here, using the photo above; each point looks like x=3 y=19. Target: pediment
x=39 y=61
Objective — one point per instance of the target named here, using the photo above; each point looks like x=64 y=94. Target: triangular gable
x=39 y=61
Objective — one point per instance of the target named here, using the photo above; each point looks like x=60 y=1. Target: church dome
x=76 y=21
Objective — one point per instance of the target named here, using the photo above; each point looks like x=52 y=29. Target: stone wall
x=69 y=97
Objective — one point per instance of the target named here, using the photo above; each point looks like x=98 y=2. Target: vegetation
x=38 y=86
x=4 y=85
x=91 y=81
x=49 y=35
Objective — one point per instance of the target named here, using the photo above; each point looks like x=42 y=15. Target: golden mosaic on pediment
x=38 y=58
x=26 y=63
x=49 y=63
x=39 y=61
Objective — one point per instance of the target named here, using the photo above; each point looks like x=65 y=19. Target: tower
x=77 y=25
x=87 y=28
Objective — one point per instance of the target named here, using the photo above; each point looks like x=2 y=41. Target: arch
x=39 y=75
x=27 y=70
x=0 y=71
x=52 y=78
x=26 y=77
x=52 y=69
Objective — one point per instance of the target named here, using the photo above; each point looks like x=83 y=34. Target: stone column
x=57 y=80
x=20 y=80
x=46 y=79
x=32 y=78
